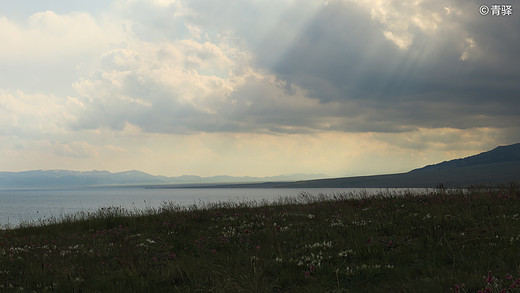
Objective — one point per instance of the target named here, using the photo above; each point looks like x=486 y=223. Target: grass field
x=443 y=241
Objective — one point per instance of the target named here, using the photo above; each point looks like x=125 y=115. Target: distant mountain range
x=66 y=178
x=500 y=165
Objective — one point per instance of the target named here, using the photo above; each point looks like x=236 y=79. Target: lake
x=29 y=205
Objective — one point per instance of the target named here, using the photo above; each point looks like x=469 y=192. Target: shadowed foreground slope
x=435 y=242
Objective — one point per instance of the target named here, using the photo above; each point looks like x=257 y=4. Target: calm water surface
x=29 y=205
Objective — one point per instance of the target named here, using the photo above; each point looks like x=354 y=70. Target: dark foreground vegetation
x=441 y=241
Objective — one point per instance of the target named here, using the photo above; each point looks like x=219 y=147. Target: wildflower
x=489 y=278
x=307 y=274
x=172 y=255
x=311 y=216
x=509 y=277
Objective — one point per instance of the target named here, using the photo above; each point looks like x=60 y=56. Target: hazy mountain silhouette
x=67 y=178
x=498 y=166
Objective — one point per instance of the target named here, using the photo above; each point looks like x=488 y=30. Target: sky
x=254 y=88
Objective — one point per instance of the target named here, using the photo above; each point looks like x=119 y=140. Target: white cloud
x=47 y=35
x=401 y=40
x=194 y=31
x=177 y=76
x=47 y=51
x=34 y=115
x=401 y=21
x=469 y=49
x=189 y=86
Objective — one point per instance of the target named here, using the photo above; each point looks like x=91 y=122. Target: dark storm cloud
x=342 y=55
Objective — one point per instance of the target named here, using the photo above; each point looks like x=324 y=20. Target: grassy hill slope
x=442 y=241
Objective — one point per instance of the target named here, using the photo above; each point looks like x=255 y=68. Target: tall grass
x=438 y=241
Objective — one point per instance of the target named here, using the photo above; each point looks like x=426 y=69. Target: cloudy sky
x=256 y=88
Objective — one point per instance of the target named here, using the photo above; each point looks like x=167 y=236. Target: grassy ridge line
x=442 y=241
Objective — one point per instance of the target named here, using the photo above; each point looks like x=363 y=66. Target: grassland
x=441 y=241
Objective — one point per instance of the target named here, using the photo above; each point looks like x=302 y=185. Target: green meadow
x=437 y=241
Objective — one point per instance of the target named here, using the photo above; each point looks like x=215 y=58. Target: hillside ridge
x=500 y=154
